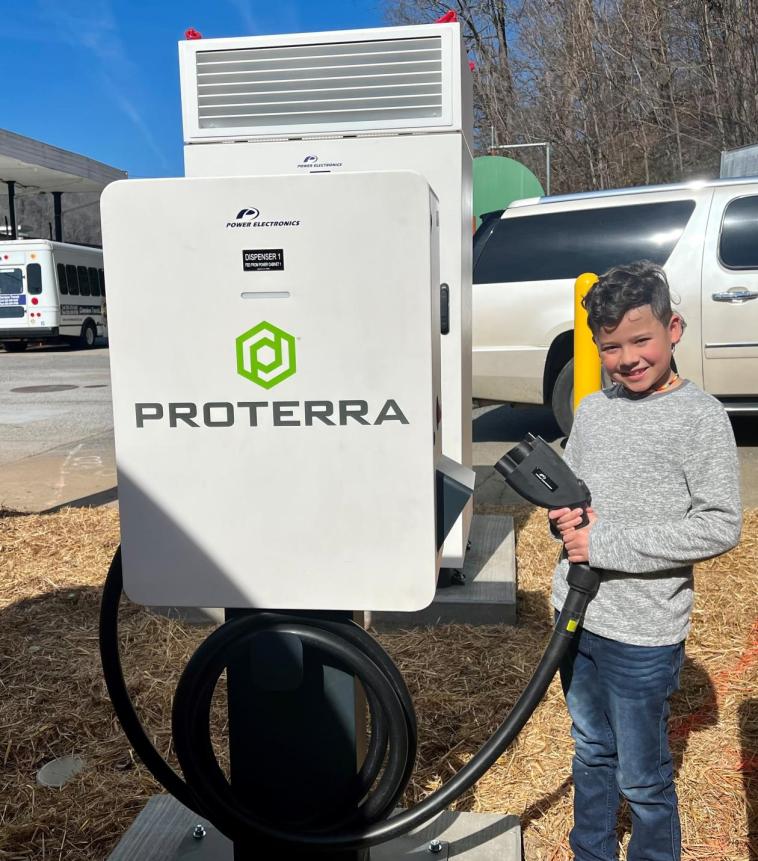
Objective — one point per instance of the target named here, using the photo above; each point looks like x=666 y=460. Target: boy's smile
x=637 y=353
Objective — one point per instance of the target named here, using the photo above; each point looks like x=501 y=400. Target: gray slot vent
x=357 y=83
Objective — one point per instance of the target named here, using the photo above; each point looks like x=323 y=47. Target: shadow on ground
x=511 y=422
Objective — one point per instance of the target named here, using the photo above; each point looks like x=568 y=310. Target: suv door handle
x=739 y=294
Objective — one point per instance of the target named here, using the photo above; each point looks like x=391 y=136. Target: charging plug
x=542 y=477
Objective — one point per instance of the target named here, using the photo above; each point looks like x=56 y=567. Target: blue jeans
x=618 y=699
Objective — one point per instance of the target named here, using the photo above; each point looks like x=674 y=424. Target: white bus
x=50 y=291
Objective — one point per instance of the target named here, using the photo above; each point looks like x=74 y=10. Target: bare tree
x=628 y=91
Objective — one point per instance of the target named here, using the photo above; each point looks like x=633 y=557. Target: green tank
x=498 y=181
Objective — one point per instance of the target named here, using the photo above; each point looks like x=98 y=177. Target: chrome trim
x=748 y=409
x=739 y=294
x=732 y=344
x=695 y=185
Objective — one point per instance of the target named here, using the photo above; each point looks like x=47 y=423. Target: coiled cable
x=389 y=761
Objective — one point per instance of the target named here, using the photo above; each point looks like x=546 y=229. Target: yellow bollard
x=587 y=377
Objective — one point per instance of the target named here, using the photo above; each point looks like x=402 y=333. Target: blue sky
x=100 y=77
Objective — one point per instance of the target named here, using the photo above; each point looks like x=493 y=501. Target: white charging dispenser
x=276 y=387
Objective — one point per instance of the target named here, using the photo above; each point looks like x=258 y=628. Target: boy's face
x=637 y=353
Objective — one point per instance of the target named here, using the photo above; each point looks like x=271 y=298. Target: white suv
x=704 y=234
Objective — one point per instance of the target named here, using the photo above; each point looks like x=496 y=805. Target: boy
x=659 y=458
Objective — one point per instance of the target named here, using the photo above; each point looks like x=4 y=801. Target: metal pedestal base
x=164 y=831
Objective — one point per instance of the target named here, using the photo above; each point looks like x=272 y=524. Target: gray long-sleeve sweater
x=664 y=479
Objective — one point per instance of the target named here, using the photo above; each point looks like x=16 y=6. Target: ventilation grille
x=354 y=83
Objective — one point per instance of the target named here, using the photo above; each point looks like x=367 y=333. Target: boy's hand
x=576 y=541
x=566 y=519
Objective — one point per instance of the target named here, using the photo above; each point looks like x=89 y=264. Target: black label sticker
x=542 y=476
x=263 y=259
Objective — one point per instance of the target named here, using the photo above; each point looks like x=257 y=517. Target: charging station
x=281 y=439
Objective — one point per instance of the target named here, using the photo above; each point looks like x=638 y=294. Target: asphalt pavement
x=56 y=433
x=56 y=428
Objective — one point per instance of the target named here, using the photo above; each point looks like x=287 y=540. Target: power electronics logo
x=250 y=217
x=266 y=355
x=312 y=163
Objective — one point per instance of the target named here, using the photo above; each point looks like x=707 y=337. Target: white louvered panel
x=350 y=83
x=388 y=84
x=336 y=53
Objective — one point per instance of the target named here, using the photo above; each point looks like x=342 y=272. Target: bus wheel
x=14 y=346
x=88 y=336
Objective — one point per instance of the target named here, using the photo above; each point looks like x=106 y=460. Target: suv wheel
x=562 y=400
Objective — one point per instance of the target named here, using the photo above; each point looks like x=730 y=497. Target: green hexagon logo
x=266 y=355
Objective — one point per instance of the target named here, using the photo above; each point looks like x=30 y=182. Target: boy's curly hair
x=625 y=287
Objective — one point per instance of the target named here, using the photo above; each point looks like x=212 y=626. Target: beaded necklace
x=668 y=384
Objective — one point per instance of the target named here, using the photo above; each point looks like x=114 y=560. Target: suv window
x=484 y=231
x=555 y=245
x=738 y=246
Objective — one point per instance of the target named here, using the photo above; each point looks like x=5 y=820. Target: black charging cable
x=388 y=764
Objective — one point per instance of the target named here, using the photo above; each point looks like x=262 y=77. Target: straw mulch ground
x=53 y=701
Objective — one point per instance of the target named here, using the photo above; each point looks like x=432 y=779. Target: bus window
x=81 y=271
x=11 y=282
x=73 y=281
x=93 y=282
x=62 y=283
x=34 y=279
x=102 y=281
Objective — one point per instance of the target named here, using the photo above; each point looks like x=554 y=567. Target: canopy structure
x=34 y=164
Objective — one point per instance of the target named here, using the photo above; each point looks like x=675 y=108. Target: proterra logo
x=266 y=355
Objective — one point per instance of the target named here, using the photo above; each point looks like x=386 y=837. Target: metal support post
x=293 y=735
x=58 y=213
x=12 y=206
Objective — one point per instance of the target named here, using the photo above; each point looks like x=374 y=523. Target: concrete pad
x=466 y=836
x=165 y=829
x=488 y=597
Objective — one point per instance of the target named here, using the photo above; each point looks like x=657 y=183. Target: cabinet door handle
x=741 y=294
x=444 y=309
